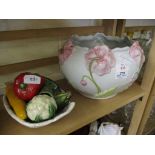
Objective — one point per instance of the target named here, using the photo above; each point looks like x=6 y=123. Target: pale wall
x=16 y=24
x=29 y=49
x=140 y=22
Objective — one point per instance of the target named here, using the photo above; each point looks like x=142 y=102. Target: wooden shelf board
x=139 y=28
x=149 y=131
x=49 y=32
x=149 y=126
x=11 y=68
x=86 y=110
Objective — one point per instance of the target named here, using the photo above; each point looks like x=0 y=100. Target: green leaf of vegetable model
x=62 y=99
x=50 y=88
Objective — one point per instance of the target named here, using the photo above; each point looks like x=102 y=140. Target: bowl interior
x=30 y=124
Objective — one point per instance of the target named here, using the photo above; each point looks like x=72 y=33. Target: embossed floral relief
x=99 y=60
x=137 y=52
x=66 y=51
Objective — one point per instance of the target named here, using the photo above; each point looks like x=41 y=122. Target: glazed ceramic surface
x=100 y=66
x=63 y=113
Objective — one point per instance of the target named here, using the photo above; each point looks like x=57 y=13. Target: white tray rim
x=65 y=112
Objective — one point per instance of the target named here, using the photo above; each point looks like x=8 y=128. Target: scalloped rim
x=65 y=112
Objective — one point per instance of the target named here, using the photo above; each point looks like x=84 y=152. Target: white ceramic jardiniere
x=100 y=66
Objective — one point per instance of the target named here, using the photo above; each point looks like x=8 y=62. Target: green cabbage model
x=41 y=107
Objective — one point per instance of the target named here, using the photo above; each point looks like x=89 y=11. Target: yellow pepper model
x=18 y=105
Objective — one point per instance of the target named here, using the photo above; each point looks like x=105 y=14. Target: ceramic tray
x=63 y=113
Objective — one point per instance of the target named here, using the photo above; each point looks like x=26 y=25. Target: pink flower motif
x=83 y=82
x=136 y=51
x=66 y=52
x=102 y=60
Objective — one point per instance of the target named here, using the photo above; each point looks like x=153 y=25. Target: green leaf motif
x=38 y=119
x=51 y=110
x=106 y=93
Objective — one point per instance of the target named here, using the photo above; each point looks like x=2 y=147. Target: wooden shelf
x=86 y=110
x=49 y=32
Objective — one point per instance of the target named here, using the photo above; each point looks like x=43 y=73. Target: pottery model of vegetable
x=52 y=89
x=28 y=85
x=16 y=103
x=36 y=97
x=62 y=99
x=41 y=107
